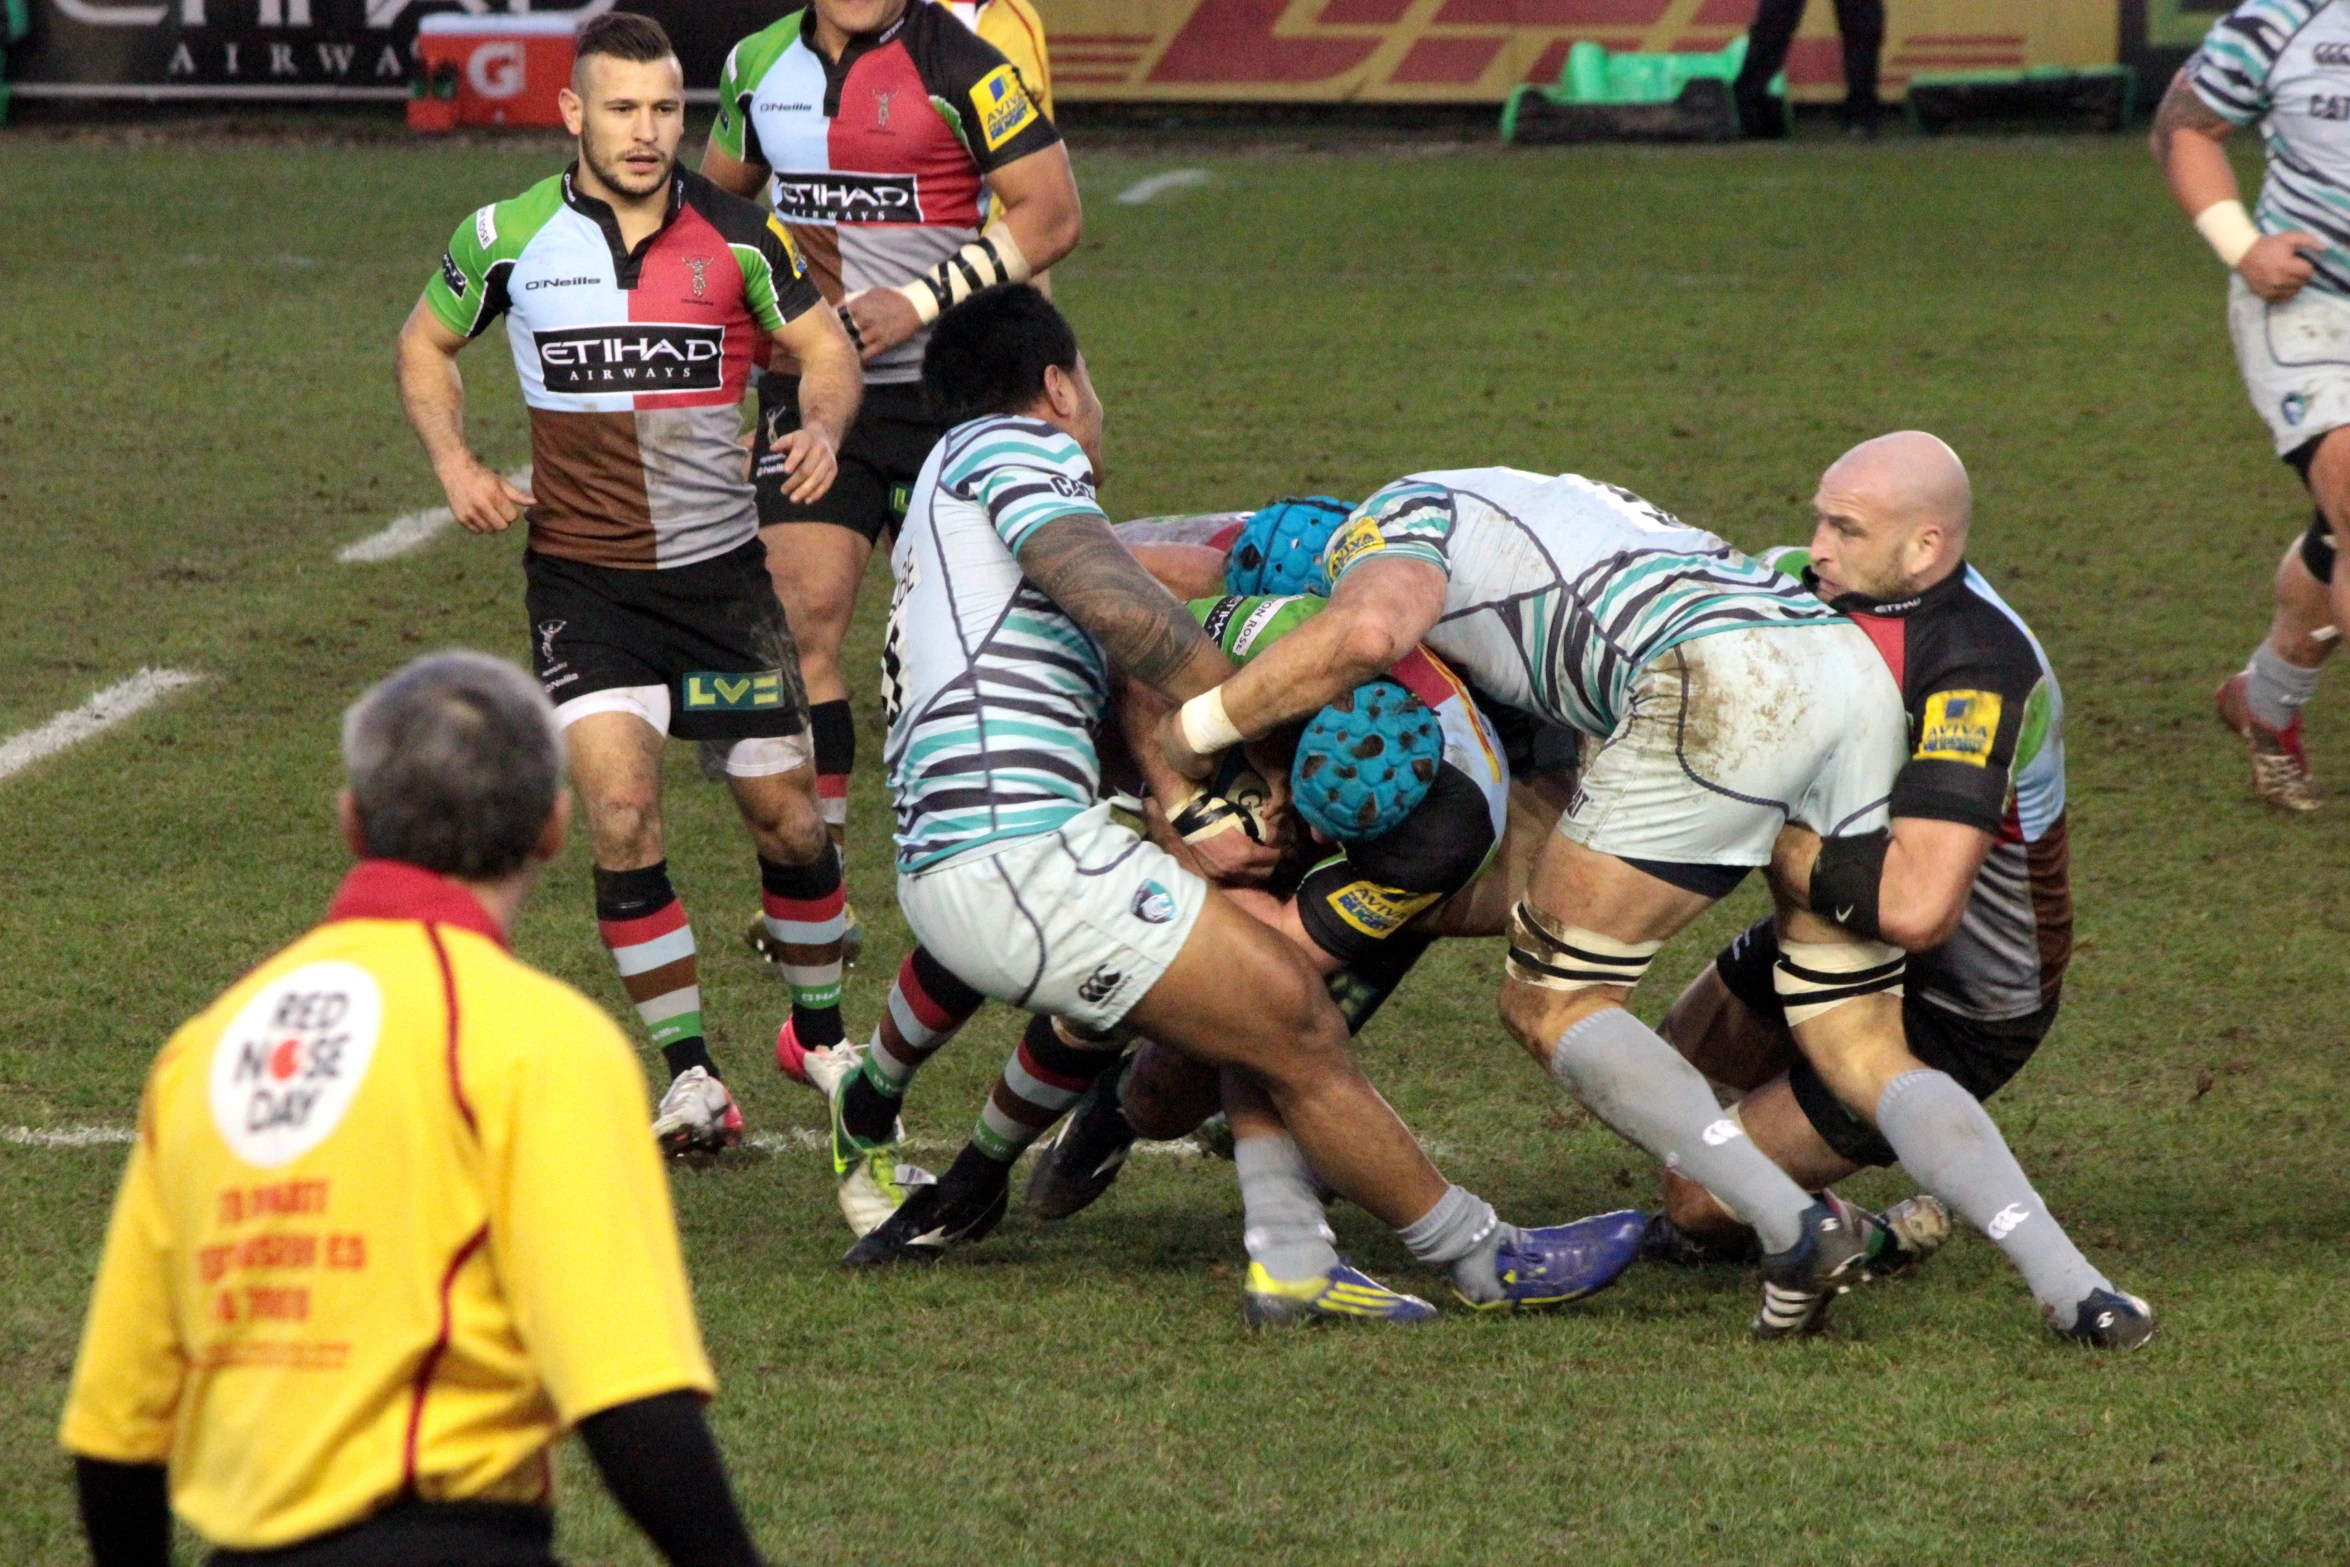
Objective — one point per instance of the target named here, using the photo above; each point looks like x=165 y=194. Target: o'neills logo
x=848 y=198
x=287 y=1067
x=632 y=356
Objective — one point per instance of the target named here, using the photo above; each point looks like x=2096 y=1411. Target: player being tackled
x=1015 y=600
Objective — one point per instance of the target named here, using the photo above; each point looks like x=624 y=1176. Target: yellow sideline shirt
x=393 y=1221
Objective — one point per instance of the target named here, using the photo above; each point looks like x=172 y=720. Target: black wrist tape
x=1845 y=878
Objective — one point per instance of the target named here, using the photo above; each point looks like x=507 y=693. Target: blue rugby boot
x=1800 y=1282
x=2109 y=1319
x=1344 y=1294
x=1558 y=1263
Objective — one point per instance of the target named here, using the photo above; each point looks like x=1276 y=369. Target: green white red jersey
x=633 y=362
x=879 y=160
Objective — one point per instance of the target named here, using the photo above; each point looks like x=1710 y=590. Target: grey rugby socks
x=1462 y=1233
x=1950 y=1146
x=1286 y=1232
x=1626 y=1074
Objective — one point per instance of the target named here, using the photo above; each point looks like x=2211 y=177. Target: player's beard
x=605 y=163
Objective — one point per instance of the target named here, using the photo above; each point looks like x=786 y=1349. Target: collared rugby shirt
x=993 y=692
x=633 y=362
x=1986 y=731
x=2285 y=64
x=879 y=160
x=1559 y=590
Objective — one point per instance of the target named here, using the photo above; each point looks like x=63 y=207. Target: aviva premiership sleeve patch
x=708 y=692
x=1959 y=726
x=1003 y=104
x=1378 y=911
x=1357 y=539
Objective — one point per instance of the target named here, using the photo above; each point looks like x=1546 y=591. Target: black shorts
x=2317 y=542
x=1980 y=1056
x=492 y=1534
x=711 y=634
x=880 y=458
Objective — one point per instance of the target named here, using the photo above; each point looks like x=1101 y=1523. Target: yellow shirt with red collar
x=392 y=1223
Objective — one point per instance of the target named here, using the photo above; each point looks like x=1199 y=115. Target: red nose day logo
x=287 y=1067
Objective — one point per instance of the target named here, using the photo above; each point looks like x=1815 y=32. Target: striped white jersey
x=1562 y=588
x=992 y=692
x=2286 y=65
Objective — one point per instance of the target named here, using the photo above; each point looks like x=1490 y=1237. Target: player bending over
x=1973 y=878
x=2275 y=63
x=1014 y=601
x=634 y=292
x=1731 y=702
x=1363 y=906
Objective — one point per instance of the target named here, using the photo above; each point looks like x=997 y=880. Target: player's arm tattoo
x=2182 y=110
x=1080 y=565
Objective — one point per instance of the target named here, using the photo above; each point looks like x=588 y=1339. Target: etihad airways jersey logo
x=288 y=1065
x=848 y=198
x=632 y=356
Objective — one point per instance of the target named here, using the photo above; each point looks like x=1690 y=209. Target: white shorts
x=759 y=758
x=1079 y=922
x=1732 y=736
x=2296 y=360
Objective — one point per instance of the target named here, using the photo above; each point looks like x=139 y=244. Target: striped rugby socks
x=1045 y=1076
x=927 y=1005
x=802 y=906
x=652 y=944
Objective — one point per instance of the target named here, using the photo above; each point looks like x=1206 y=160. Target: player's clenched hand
x=809 y=462
x=1229 y=858
x=2275 y=267
x=483 y=501
x=877 y=319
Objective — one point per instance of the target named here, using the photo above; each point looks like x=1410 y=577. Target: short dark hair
x=453 y=763
x=988 y=355
x=625 y=35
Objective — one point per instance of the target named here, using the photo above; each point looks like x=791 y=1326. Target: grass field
x=196 y=411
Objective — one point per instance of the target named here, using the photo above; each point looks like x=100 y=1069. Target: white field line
x=99 y=714
x=66 y=1136
x=411 y=530
x=1159 y=185
x=800 y=1139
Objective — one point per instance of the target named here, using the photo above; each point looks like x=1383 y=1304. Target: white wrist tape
x=2228 y=229
x=994 y=257
x=1207 y=728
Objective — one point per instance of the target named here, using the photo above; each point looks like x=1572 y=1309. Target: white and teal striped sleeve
x=1407 y=520
x=2231 y=72
x=1025 y=475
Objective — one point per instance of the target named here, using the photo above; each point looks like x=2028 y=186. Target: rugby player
x=912 y=163
x=390 y=1226
x=1973 y=878
x=1731 y=702
x=2276 y=64
x=1014 y=601
x=927 y=1005
x=635 y=294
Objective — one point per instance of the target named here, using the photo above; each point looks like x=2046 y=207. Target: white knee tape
x=1814 y=977
x=1572 y=958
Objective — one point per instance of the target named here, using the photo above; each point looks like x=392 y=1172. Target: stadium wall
x=1228 y=51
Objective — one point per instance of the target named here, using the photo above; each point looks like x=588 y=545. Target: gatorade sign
x=286 y=1070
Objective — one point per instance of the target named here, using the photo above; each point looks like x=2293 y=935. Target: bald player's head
x=1892 y=517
